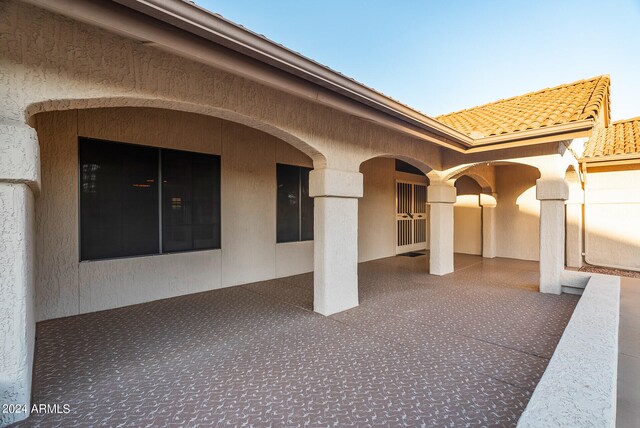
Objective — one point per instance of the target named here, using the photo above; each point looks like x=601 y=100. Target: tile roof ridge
x=540 y=91
x=593 y=93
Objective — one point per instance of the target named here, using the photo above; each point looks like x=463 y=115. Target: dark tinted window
x=288 y=216
x=294 y=206
x=190 y=201
x=306 y=207
x=118 y=200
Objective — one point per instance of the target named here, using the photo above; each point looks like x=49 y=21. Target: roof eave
x=578 y=129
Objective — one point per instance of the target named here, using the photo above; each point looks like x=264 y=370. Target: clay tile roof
x=559 y=105
x=619 y=138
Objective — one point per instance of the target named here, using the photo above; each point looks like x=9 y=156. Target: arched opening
x=250 y=249
x=467 y=221
x=517 y=211
x=392 y=214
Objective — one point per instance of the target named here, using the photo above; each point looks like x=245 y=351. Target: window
x=126 y=209
x=190 y=207
x=295 y=206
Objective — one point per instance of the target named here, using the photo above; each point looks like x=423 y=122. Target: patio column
x=441 y=196
x=488 y=204
x=335 y=275
x=574 y=205
x=551 y=192
x=19 y=176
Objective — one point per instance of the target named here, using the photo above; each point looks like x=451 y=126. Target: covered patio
x=464 y=349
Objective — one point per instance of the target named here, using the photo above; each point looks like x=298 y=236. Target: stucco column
x=335 y=275
x=19 y=177
x=551 y=192
x=441 y=196
x=488 y=203
x=574 y=213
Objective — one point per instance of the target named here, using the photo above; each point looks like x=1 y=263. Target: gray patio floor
x=466 y=349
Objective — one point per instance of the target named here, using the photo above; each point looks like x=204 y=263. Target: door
x=411 y=216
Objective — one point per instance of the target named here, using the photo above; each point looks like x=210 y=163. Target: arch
x=455 y=172
x=425 y=168
x=466 y=184
x=319 y=159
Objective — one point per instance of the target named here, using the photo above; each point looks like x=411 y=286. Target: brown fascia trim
x=547 y=134
x=154 y=22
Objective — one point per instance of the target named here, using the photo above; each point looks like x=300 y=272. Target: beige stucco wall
x=612 y=213
x=517 y=212
x=376 y=210
x=16 y=303
x=66 y=287
x=467 y=225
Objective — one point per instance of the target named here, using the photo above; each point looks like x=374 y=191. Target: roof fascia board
x=536 y=133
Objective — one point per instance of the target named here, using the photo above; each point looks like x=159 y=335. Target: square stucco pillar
x=19 y=175
x=441 y=197
x=488 y=204
x=574 y=233
x=335 y=275
x=552 y=192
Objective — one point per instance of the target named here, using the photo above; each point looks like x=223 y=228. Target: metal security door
x=411 y=216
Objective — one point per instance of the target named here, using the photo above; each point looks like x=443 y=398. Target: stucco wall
x=517 y=212
x=467 y=225
x=612 y=213
x=17 y=325
x=376 y=210
x=54 y=63
x=249 y=252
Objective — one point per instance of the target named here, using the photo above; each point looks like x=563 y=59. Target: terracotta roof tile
x=620 y=138
x=559 y=105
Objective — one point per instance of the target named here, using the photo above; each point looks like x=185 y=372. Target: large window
x=137 y=200
x=295 y=206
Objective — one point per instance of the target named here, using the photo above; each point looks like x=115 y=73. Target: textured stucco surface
x=578 y=388
x=55 y=63
x=17 y=322
x=517 y=212
x=612 y=210
x=467 y=225
x=376 y=210
x=19 y=153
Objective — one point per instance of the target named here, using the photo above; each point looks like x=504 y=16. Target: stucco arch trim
x=421 y=165
x=319 y=159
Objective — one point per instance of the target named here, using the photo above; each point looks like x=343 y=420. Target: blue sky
x=448 y=55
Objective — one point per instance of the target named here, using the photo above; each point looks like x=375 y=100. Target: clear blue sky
x=443 y=56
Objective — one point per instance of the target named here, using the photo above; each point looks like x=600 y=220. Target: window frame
x=300 y=238
x=159 y=177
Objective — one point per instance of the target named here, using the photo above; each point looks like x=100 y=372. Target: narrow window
x=190 y=201
x=137 y=200
x=294 y=205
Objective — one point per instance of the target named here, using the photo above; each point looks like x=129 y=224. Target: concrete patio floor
x=465 y=349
